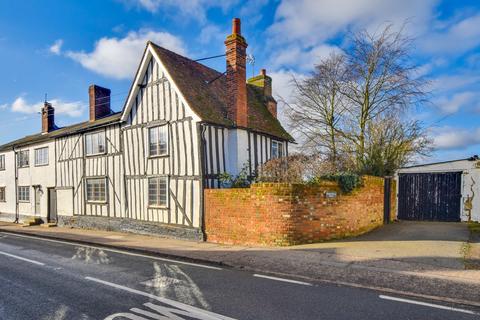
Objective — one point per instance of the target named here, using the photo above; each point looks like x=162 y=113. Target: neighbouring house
x=442 y=191
x=145 y=168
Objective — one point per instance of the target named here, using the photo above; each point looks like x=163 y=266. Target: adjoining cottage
x=442 y=191
x=144 y=169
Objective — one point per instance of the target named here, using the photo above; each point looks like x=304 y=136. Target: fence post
x=387 y=196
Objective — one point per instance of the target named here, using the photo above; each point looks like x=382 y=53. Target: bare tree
x=392 y=144
x=382 y=79
x=316 y=113
x=352 y=107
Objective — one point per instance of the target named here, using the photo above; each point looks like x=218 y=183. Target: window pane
x=157 y=191
x=41 y=156
x=95 y=143
x=158 y=141
x=96 y=190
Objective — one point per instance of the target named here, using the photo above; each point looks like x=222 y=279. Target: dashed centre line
x=426 y=304
x=22 y=258
x=282 y=279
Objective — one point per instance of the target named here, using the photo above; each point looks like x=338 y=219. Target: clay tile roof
x=76 y=128
x=205 y=91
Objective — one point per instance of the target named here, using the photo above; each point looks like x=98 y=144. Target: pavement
x=418 y=259
x=48 y=279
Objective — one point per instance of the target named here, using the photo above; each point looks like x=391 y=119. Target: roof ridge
x=184 y=57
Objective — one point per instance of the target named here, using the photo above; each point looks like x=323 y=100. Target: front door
x=52 y=205
x=38 y=194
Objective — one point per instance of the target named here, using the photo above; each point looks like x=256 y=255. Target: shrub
x=290 y=169
x=346 y=180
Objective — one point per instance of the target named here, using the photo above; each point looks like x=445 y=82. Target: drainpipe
x=17 y=214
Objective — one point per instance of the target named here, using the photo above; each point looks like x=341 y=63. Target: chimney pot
x=99 y=98
x=236 y=28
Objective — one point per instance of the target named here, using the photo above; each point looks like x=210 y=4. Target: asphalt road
x=44 y=279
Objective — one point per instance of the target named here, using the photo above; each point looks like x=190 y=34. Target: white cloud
x=71 y=109
x=209 y=33
x=314 y=21
x=465 y=35
x=119 y=57
x=457 y=101
x=294 y=56
x=455 y=138
x=196 y=9
x=56 y=47
x=3 y=106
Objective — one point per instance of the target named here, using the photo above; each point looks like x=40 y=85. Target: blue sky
x=61 y=47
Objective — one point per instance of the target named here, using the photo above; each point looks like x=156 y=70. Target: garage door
x=429 y=196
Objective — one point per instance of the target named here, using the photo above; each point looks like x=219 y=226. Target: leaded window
x=96 y=190
x=23 y=194
x=158 y=191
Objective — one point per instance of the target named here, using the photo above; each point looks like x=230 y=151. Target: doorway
x=52 y=205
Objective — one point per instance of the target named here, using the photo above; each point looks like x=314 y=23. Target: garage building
x=442 y=191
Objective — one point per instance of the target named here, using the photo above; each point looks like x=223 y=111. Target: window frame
x=35 y=157
x=19 y=157
x=104 y=143
x=20 y=193
x=279 y=148
x=158 y=205
x=3 y=191
x=159 y=127
x=105 y=201
x=2 y=162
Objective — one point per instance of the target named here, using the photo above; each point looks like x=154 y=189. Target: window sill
x=157 y=207
x=97 y=202
x=23 y=201
x=159 y=156
x=95 y=154
x=41 y=165
x=23 y=167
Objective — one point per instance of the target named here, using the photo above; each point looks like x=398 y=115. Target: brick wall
x=287 y=214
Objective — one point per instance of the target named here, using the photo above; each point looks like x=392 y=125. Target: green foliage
x=240 y=181
x=346 y=180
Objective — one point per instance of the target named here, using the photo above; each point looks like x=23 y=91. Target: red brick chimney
x=236 y=50
x=48 y=118
x=265 y=83
x=99 y=102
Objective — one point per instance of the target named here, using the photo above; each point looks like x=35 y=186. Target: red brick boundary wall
x=288 y=214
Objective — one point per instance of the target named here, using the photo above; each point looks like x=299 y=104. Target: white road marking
x=21 y=258
x=426 y=304
x=115 y=251
x=282 y=279
x=201 y=314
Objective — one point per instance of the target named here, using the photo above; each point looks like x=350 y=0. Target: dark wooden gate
x=429 y=196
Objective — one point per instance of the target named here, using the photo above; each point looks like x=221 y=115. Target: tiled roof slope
x=205 y=91
x=79 y=127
